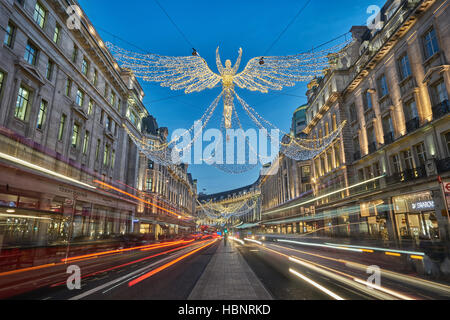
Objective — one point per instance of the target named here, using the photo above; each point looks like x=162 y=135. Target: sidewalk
x=228 y=277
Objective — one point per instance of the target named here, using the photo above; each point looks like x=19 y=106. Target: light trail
x=178 y=215
x=315 y=284
x=127 y=264
x=148 y=247
x=319 y=245
x=254 y=241
x=44 y=170
x=341 y=276
x=237 y=240
x=159 y=269
x=380 y=249
x=433 y=286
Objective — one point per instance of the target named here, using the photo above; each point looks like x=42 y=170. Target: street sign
x=447 y=187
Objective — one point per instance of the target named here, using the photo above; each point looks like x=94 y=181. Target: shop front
x=415 y=216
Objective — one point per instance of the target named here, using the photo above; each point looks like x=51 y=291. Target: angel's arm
x=218 y=61
x=238 y=62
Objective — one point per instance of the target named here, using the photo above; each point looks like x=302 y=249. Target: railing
x=385 y=104
x=443 y=165
x=412 y=125
x=388 y=138
x=407 y=175
x=441 y=109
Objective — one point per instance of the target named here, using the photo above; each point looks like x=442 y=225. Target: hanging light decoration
x=261 y=74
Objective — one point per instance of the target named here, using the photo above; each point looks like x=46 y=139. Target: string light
x=261 y=74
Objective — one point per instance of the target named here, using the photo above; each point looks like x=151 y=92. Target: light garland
x=261 y=74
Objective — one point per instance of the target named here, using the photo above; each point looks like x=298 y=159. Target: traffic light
x=226 y=231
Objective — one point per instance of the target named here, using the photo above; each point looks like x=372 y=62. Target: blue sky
x=250 y=24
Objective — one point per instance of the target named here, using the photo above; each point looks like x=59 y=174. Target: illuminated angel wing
x=190 y=74
x=273 y=73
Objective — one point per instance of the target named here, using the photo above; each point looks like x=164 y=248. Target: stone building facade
x=171 y=188
x=63 y=103
x=383 y=177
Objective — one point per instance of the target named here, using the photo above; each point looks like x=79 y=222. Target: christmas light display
x=261 y=74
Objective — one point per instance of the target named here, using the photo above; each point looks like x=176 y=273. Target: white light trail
x=379 y=249
x=254 y=241
x=315 y=284
x=319 y=245
x=44 y=170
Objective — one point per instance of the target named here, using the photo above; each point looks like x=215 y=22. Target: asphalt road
x=174 y=282
x=317 y=274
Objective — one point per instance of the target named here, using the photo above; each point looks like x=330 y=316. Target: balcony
x=306 y=179
x=441 y=109
x=407 y=175
x=443 y=165
x=372 y=147
x=385 y=103
x=388 y=138
x=407 y=85
x=412 y=125
x=356 y=156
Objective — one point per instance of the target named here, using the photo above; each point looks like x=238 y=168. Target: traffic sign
x=447 y=187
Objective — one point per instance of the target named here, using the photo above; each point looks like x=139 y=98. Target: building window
x=80 y=98
x=23 y=100
x=2 y=79
x=75 y=54
x=421 y=153
x=108 y=123
x=106 y=91
x=113 y=158
x=112 y=99
x=41 y=115
x=439 y=93
x=396 y=163
x=149 y=184
x=382 y=86
x=9 y=36
x=62 y=124
x=30 y=54
x=408 y=159
x=404 y=67
x=106 y=155
x=430 y=42
x=49 y=71
x=150 y=164
x=40 y=15
x=85 y=66
x=411 y=110
x=367 y=100
x=95 y=77
x=86 y=142
x=447 y=142
x=91 y=107
x=57 y=34
x=75 y=135
x=97 y=151
x=68 y=87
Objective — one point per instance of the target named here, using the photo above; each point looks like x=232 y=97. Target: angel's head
x=228 y=64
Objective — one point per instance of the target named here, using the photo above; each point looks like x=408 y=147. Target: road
x=295 y=272
x=170 y=271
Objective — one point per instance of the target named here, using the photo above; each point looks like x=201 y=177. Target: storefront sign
x=423 y=205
